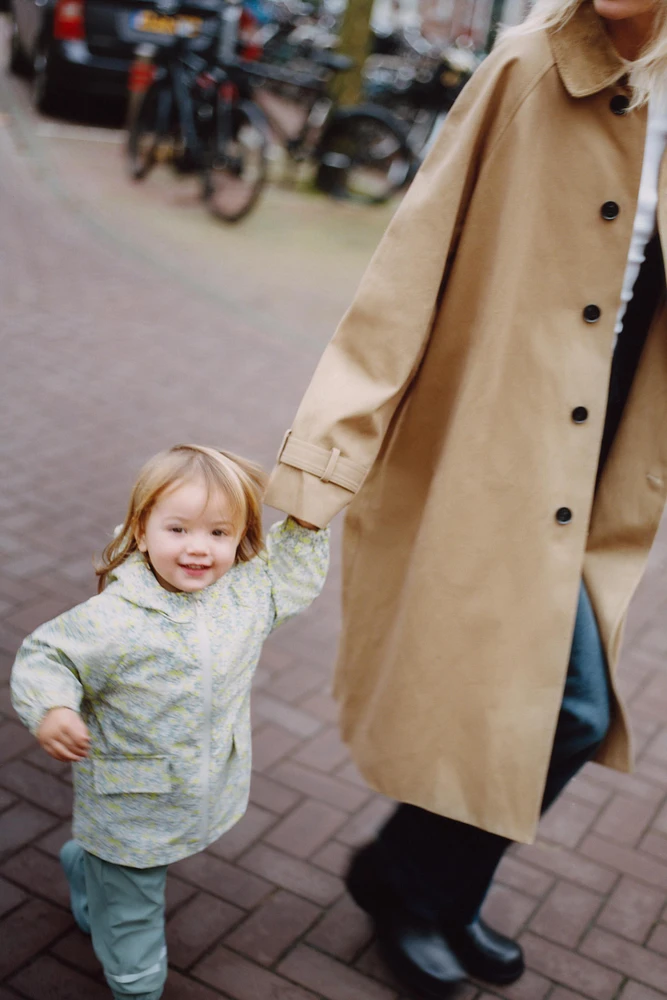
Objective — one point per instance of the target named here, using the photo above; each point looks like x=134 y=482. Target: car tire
x=46 y=95
x=19 y=64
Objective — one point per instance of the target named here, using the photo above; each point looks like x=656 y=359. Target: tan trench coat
x=442 y=409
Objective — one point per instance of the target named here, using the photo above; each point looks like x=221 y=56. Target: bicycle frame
x=174 y=80
x=319 y=109
x=181 y=91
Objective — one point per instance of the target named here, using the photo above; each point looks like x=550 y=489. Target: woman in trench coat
x=503 y=492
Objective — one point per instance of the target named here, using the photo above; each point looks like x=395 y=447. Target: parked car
x=87 y=46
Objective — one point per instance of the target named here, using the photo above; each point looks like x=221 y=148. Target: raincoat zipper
x=207 y=693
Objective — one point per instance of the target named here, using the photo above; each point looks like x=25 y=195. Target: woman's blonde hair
x=242 y=482
x=648 y=74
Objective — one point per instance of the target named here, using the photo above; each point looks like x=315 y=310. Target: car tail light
x=248 y=35
x=68 y=23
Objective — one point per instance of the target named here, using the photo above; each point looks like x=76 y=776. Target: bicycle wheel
x=363 y=155
x=148 y=130
x=236 y=174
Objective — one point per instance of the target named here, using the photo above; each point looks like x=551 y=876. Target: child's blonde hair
x=242 y=482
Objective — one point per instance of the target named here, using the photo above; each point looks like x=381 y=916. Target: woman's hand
x=64 y=735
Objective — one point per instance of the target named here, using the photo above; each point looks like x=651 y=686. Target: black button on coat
x=592 y=313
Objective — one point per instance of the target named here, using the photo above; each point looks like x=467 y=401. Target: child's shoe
x=71 y=858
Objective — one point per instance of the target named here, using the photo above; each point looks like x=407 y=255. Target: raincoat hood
x=134 y=581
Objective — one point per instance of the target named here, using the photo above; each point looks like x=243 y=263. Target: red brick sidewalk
x=105 y=358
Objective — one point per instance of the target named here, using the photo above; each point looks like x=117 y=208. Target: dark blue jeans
x=441 y=869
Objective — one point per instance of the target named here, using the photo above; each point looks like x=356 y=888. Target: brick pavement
x=104 y=359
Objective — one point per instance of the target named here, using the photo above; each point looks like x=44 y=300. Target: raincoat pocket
x=123 y=775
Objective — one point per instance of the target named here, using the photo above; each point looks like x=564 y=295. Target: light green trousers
x=126 y=911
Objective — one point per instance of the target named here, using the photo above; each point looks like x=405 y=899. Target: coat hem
x=158 y=859
x=510 y=831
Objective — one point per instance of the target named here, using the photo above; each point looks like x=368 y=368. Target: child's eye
x=218 y=532
x=178 y=531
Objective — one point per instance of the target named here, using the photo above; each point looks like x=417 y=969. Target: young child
x=146 y=689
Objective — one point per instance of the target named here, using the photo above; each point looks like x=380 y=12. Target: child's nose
x=197 y=544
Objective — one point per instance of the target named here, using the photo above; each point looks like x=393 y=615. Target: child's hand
x=64 y=735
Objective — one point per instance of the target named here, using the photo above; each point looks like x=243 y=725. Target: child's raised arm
x=297 y=562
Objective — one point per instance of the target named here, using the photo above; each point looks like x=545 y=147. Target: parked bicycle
x=199 y=113
x=418 y=81
x=360 y=152
x=200 y=116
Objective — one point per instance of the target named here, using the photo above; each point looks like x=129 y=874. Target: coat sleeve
x=367 y=367
x=297 y=561
x=51 y=664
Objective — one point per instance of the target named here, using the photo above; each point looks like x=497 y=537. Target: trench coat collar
x=585 y=56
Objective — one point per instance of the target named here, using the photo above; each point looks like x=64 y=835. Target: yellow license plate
x=160 y=24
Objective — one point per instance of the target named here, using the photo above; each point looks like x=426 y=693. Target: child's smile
x=194 y=568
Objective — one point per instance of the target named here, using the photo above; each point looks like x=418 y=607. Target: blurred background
x=349 y=97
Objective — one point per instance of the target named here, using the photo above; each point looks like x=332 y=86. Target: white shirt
x=645 y=217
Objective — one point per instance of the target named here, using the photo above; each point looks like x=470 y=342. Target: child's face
x=189 y=537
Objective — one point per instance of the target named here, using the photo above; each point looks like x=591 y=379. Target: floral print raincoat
x=162 y=680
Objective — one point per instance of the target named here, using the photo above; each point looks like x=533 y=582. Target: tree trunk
x=355 y=43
